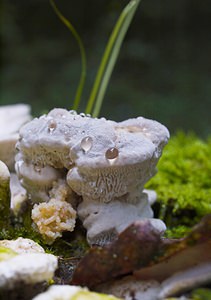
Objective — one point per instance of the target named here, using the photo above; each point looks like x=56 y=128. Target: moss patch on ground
x=183 y=183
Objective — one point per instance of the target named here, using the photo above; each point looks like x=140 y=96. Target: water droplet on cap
x=86 y=143
x=112 y=153
x=52 y=125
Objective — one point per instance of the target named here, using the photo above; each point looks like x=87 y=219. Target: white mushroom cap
x=136 y=144
x=106 y=159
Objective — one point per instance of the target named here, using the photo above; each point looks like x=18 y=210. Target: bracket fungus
x=103 y=164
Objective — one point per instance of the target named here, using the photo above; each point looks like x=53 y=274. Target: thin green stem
x=82 y=51
x=109 y=58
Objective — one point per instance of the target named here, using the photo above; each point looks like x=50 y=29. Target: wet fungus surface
x=102 y=162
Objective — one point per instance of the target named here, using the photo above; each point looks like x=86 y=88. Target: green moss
x=183 y=181
x=201 y=294
x=177 y=232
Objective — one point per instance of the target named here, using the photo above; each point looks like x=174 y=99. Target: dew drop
x=86 y=143
x=112 y=154
x=52 y=126
x=73 y=112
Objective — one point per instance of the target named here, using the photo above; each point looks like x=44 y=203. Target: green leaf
x=109 y=58
x=83 y=54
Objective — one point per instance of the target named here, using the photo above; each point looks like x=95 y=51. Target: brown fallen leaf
x=179 y=255
x=141 y=252
x=134 y=248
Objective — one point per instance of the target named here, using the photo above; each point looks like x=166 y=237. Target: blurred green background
x=163 y=71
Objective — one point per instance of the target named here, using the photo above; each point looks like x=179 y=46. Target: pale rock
x=68 y=292
x=62 y=292
x=28 y=268
x=22 y=245
x=12 y=117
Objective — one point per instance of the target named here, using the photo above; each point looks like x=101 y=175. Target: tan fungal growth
x=53 y=217
x=101 y=162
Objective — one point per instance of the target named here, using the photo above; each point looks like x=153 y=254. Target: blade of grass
x=109 y=58
x=82 y=51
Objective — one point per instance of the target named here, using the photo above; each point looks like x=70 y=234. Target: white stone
x=12 y=117
x=61 y=292
x=68 y=292
x=22 y=245
x=29 y=268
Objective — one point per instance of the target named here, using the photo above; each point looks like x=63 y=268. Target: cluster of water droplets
x=111 y=154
